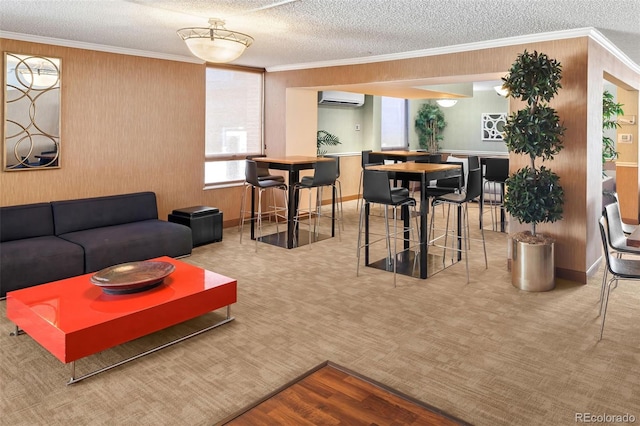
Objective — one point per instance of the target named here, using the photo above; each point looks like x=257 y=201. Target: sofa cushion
x=25 y=221
x=129 y=242
x=32 y=261
x=88 y=213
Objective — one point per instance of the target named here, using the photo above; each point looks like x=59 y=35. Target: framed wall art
x=492 y=126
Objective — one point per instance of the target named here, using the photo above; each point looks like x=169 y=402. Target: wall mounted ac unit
x=332 y=97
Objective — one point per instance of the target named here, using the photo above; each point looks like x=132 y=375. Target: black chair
x=339 y=188
x=617 y=236
x=496 y=173
x=431 y=158
x=377 y=189
x=473 y=162
x=618 y=268
x=617 y=240
x=471 y=192
x=263 y=170
x=324 y=175
x=253 y=182
x=445 y=186
x=626 y=227
x=367 y=159
x=263 y=174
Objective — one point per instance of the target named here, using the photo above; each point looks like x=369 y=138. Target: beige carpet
x=482 y=351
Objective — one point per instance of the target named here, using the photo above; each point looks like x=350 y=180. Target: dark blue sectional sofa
x=45 y=242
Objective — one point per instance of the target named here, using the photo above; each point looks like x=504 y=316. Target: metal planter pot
x=533 y=266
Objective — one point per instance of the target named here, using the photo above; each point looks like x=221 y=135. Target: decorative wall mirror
x=31 y=112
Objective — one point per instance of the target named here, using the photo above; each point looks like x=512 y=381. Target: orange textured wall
x=128 y=124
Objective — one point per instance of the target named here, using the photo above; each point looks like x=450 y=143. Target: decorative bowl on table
x=132 y=277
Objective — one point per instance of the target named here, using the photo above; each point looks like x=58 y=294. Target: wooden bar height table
x=423 y=173
x=293 y=165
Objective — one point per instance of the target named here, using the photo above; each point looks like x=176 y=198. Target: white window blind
x=393 y=123
x=233 y=123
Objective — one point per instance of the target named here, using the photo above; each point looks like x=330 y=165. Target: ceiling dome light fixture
x=216 y=43
x=447 y=103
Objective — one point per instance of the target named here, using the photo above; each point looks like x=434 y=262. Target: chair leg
x=602 y=289
x=316 y=226
x=334 y=207
x=360 y=200
x=296 y=216
x=360 y=222
x=339 y=197
x=484 y=248
x=275 y=209
x=309 y=213
x=242 y=211
x=446 y=233
x=465 y=237
x=494 y=213
x=417 y=231
x=259 y=218
x=606 y=302
x=395 y=242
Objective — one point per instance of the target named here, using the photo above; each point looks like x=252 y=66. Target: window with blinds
x=234 y=117
x=393 y=123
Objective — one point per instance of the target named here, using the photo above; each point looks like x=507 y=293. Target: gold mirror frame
x=31 y=112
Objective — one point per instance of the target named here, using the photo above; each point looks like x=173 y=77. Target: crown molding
x=590 y=32
x=597 y=36
x=510 y=41
x=97 y=47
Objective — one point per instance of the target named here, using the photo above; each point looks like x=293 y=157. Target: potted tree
x=429 y=125
x=533 y=193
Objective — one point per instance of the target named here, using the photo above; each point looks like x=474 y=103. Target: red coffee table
x=73 y=318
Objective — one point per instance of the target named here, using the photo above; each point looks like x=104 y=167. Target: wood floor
x=332 y=395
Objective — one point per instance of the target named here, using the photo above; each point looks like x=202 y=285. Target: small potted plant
x=533 y=193
x=326 y=139
x=610 y=110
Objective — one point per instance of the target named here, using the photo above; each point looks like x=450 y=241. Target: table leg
x=253 y=210
x=366 y=232
x=481 y=204
x=333 y=211
x=293 y=206
x=424 y=226
x=502 y=214
x=406 y=215
x=73 y=378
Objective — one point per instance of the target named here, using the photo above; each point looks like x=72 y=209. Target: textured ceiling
x=290 y=32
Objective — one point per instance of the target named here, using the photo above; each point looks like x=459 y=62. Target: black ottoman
x=205 y=223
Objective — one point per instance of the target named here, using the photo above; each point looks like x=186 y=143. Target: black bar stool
x=324 y=175
x=253 y=182
x=377 y=189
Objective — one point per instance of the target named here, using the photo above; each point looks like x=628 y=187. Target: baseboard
x=571 y=275
x=595 y=267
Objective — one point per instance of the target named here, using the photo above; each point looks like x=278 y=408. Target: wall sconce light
x=446 y=103
x=501 y=91
x=215 y=43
